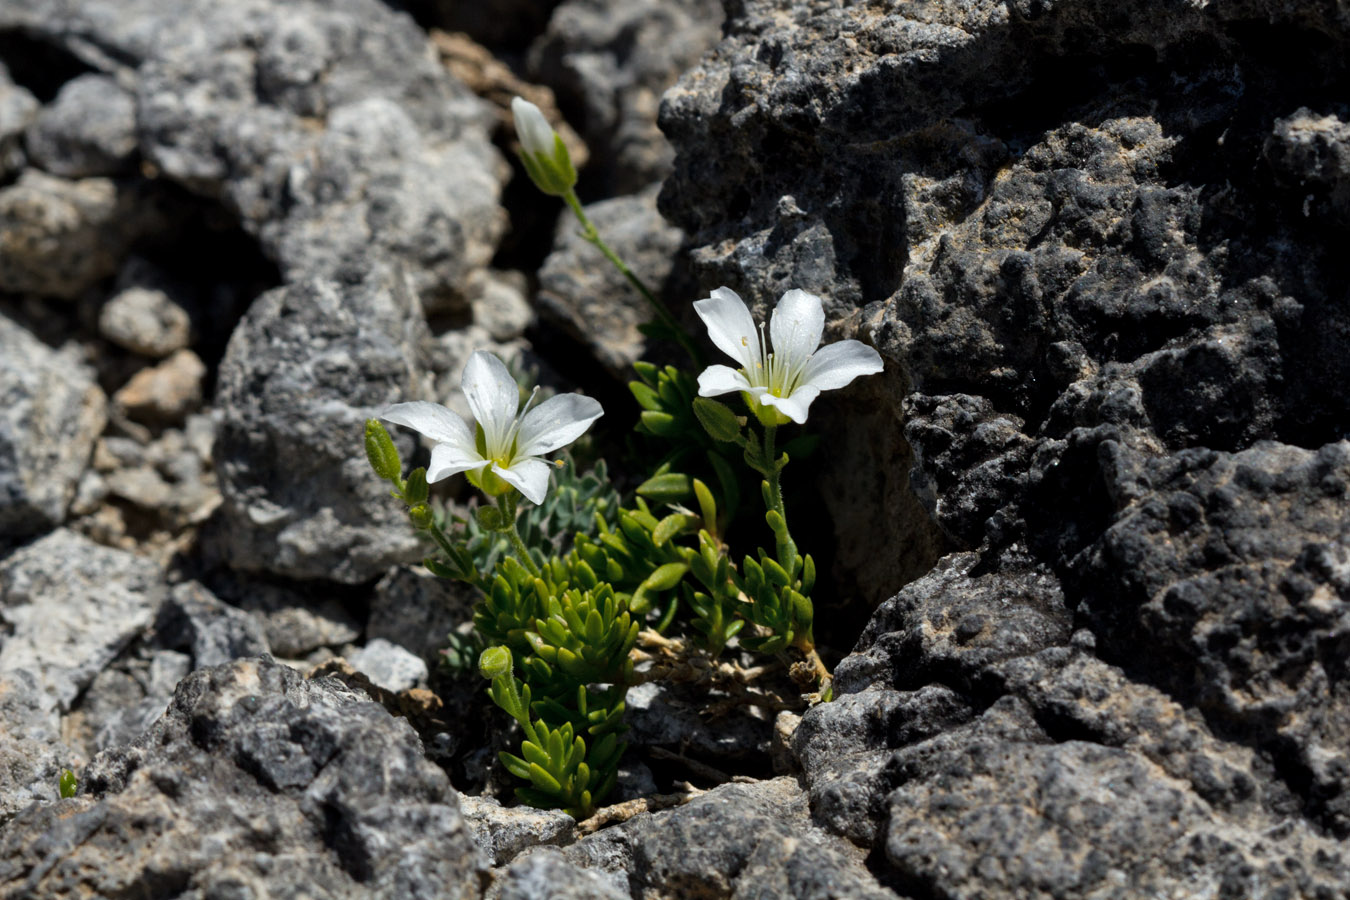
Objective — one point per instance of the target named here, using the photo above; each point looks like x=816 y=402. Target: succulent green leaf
x=666 y=488
x=665 y=577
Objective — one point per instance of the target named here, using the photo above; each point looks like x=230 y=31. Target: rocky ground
x=1089 y=536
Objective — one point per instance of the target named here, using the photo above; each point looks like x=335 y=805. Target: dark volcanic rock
x=1102 y=245
x=255 y=782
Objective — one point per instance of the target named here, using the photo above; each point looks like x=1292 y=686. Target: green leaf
x=717 y=419
x=707 y=506
x=665 y=577
x=440 y=569
x=668 y=527
x=645 y=396
x=67 y=785
x=648 y=372
x=543 y=779
x=666 y=488
x=660 y=423
x=515 y=765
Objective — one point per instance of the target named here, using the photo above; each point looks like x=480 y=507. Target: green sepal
x=489 y=518
x=381 y=452
x=415 y=490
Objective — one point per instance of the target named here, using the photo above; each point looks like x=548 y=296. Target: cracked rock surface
x=1099 y=247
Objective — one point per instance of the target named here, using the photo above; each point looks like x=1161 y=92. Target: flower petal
x=535 y=134
x=794 y=407
x=529 y=476
x=447 y=460
x=493 y=396
x=795 y=327
x=835 y=365
x=716 y=380
x=730 y=326
x=433 y=420
x=556 y=422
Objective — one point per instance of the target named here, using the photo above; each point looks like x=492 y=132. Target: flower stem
x=787 y=548
x=507 y=504
x=663 y=314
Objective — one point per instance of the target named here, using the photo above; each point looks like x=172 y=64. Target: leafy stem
x=772 y=470
x=507 y=504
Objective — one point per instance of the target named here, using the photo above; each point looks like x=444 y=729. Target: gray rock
x=70 y=606
x=254 y=782
x=609 y=61
x=582 y=292
x=51 y=411
x=213 y=632
x=17 y=109
x=500 y=305
x=1010 y=819
x=547 y=875
x=145 y=320
x=304 y=370
x=125 y=698
x=62 y=236
x=417 y=611
x=326 y=126
x=32 y=753
x=737 y=841
x=504 y=832
x=89 y=129
x=389 y=665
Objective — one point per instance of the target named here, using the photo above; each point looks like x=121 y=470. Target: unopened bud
x=494 y=662
x=542 y=151
x=381 y=452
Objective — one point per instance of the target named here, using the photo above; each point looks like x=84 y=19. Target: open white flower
x=778 y=385
x=503 y=449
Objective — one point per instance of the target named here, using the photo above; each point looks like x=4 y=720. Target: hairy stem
x=507 y=504
x=786 y=547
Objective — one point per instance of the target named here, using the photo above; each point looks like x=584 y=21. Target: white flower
x=781 y=384
x=503 y=447
x=542 y=151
